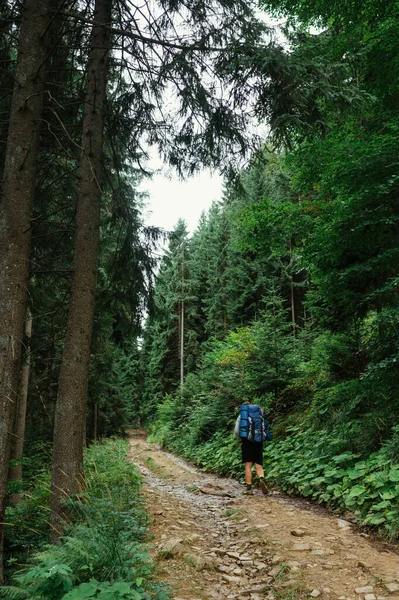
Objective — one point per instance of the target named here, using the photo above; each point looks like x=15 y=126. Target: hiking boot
x=248 y=490
x=262 y=485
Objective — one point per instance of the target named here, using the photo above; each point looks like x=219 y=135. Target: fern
x=14 y=593
x=105 y=543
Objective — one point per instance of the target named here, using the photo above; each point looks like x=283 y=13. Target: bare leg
x=248 y=473
x=259 y=470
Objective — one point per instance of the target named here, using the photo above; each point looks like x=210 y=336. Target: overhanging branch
x=143 y=38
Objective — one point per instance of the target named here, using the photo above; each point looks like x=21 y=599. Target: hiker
x=251 y=416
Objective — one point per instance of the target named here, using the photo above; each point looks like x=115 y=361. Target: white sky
x=171 y=199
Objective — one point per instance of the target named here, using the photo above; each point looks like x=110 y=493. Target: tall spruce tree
x=15 y=214
x=171 y=353
x=199 y=131
x=70 y=414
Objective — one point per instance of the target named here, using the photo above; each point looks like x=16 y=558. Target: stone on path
x=315 y=593
x=370 y=597
x=247 y=563
x=171 y=548
x=392 y=587
x=342 y=524
x=214 y=490
x=198 y=562
x=193 y=537
x=232 y=579
x=224 y=569
x=298 y=532
x=300 y=547
x=367 y=589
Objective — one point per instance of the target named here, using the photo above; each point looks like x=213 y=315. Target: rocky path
x=212 y=542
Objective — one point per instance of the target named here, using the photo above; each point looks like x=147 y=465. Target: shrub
x=102 y=554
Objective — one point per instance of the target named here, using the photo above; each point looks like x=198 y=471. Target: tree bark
x=293 y=320
x=181 y=345
x=15 y=216
x=17 y=447
x=95 y=421
x=70 y=413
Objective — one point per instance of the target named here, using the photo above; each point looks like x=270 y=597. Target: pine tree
x=70 y=415
x=16 y=208
x=171 y=352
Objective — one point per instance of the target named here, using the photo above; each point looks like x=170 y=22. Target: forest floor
x=212 y=542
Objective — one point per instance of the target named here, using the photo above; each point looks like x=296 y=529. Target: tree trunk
x=17 y=447
x=292 y=293
x=70 y=413
x=15 y=216
x=181 y=345
x=95 y=421
x=293 y=320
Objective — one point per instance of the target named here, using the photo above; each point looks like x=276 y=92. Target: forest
x=286 y=294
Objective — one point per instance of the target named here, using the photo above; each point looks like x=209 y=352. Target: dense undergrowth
x=335 y=437
x=302 y=464
x=103 y=553
x=286 y=295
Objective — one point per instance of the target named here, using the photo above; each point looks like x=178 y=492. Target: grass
x=296 y=592
x=157 y=469
x=103 y=553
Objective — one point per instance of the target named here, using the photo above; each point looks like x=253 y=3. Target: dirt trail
x=218 y=543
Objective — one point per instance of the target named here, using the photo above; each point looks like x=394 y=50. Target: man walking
x=250 y=428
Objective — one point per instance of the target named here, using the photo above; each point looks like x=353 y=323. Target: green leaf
x=388 y=494
x=83 y=591
x=394 y=475
x=381 y=505
x=345 y=457
x=355 y=474
x=123 y=588
x=356 y=491
x=374 y=519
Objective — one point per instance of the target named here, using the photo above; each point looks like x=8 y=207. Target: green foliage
x=27 y=522
x=340 y=11
x=307 y=464
x=254 y=363
x=14 y=593
x=103 y=548
x=106 y=591
x=114 y=381
x=294 y=276
x=221 y=455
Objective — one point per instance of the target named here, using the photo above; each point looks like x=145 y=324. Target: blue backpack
x=253 y=425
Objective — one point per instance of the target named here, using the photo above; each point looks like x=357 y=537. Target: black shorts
x=252 y=452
